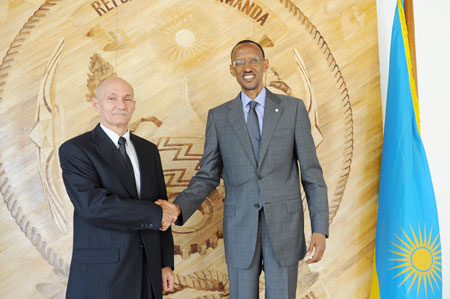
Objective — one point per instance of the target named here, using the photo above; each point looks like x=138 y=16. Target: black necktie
x=253 y=129
x=126 y=159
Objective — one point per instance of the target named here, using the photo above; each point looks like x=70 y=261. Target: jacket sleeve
x=206 y=179
x=311 y=172
x=167 y=245
x=97 y=205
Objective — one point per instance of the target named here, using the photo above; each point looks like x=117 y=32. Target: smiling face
x=114 y=102
x=249 y=75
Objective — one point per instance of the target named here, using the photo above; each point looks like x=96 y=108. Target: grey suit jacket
x=286 y=142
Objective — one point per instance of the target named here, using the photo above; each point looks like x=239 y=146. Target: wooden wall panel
x=176 y=55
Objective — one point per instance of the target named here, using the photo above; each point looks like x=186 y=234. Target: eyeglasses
x=251 y=61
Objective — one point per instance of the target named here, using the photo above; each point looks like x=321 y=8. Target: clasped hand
x=170 y=213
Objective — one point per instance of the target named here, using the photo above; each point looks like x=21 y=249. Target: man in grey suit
x=257 y=142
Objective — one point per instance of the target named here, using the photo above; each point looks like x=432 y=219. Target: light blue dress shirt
x=261 y=100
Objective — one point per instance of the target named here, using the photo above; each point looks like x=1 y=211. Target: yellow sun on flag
x=419 y=261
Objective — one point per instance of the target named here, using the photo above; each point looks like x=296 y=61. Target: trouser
x=281 y=282
x=147 y=291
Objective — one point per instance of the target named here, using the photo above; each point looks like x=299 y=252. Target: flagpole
x=409 y=15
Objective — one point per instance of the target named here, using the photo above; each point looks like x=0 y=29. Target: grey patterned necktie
x=253 y=129
x=123 y=152
x=255 y=136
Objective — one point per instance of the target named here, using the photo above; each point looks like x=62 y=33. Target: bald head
x=105 y=84
x=114 y=102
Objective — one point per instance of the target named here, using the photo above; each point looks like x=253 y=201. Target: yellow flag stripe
x=375 y=290
x=412 y=83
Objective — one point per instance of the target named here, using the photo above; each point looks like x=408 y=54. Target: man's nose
x=247 y=65
x=121 y=103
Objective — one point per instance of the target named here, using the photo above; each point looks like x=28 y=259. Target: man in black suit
x=113 y=179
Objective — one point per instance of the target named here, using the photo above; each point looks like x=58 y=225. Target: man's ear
x=232 y=71
x=95 y=103
x=266 y=65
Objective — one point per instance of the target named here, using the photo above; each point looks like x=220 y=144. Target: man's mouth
x=249 y=77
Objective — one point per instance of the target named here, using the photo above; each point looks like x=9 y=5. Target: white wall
x=432 y=30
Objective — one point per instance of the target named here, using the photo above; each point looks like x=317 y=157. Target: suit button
x=259 y=177
x=140 y=246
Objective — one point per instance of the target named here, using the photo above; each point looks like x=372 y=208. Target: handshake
x=170 y=213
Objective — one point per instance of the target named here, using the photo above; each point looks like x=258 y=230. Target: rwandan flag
x=407 y=246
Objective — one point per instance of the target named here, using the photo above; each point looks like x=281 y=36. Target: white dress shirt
x=131 y=152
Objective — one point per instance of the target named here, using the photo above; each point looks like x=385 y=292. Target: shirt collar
x=260 y=98
x=114 y=136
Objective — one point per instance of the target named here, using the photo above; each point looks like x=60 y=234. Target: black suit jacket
x=113 y=229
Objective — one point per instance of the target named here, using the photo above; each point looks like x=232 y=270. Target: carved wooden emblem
x=176 y=56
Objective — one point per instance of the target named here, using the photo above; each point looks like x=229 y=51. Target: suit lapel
x=108 y=150
x=237 y=122
x=272 y=113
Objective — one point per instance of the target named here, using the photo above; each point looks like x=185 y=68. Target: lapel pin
x=276 y=110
